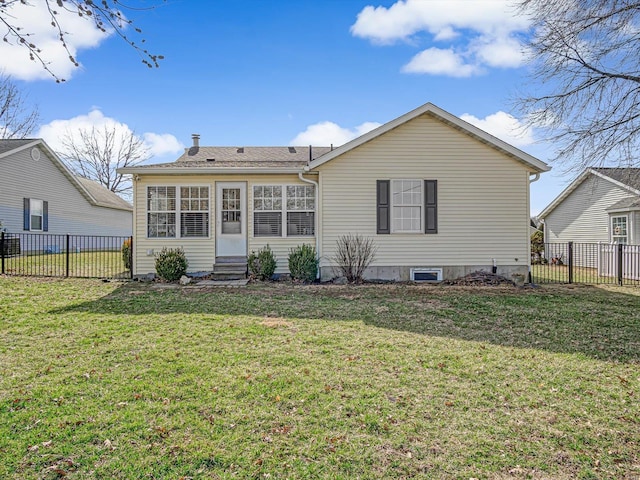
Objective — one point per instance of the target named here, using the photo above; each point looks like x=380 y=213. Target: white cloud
x=504 y=126
x=34 y=19
x=158 y=144
x=483 y=30
x=329 y=133
x=436 y=61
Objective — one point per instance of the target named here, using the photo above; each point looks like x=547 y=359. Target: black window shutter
x=383 y=206
x=45 y=216
x=26 y=215
x=430 y=206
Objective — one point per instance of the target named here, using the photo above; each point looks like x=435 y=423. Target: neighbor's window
x=161 y=212
x=36 y=211
x=271 y=210
x=619 y=229
x=194 y=211
x=407 y=201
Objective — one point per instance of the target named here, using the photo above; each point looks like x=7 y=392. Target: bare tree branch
x=97 y=153
x=106 y=16
x=586 y=79
x=16 y=119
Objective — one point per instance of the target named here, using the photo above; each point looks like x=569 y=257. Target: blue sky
x=256 y=72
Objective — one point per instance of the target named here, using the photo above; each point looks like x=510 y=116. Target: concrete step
x=228 y=276
x=230 y=268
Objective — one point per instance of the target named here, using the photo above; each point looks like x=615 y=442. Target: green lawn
x=126 y=380
x=87 y=264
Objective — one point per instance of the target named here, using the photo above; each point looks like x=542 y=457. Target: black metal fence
x=82 y=256
x=590 y=263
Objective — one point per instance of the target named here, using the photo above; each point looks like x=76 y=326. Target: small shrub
x=354 y=253
x=126 y=253
x=303 y=263
x=171 y=264
x=262 y=265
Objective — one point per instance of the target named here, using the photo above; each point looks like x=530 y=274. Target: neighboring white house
x=38 y=194
x=432 y=191
x=601 y=205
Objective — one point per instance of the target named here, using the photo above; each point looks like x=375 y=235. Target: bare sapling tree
x=586 y=79
x=96 y=153
x=354 y=253
x=105 y=15
x=17 y=119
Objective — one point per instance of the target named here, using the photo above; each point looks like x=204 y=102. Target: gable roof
x=535 y=165
x=95 y=193
x=625 y=178
x=235 y=160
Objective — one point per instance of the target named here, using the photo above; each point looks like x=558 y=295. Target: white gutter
x=201 y=170
x=535 y=178
x=316 y=221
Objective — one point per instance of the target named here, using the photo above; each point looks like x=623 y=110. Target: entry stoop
x=230 y=268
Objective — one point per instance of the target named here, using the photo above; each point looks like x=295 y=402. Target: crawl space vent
x=426 y=274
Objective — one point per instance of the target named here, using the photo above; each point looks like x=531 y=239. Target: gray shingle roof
x=249 y=156
x=11 y=144
x=103 y=196
x=628 y=176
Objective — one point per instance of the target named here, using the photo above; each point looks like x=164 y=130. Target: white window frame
x=394 y=205
x=33 y=203
x=615 y=237
x=178 y=212
x=284 y=210
x=200 y=199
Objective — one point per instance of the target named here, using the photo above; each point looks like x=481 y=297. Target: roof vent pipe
x=196 y=139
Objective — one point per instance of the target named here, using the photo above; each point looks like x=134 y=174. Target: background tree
x=586 y=72
x=96 y=153
x=106 y=16
x=17 y=119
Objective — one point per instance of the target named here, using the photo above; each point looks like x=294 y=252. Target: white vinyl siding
x=582 y=216
x=69 y=211
x=483 y=207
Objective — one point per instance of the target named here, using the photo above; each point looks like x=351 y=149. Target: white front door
x=231 y=219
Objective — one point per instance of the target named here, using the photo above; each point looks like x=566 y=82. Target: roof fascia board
x=19 y=149
x=615 y=182
x=528 y=160
x=205 y=170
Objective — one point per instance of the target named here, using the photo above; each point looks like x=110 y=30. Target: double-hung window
x=283 y=209
x=406 y=206
x=619 y=231
x=194 y=211
x=167 y=204
x=36 y=209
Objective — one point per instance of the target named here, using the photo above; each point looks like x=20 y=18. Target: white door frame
x=231 y=243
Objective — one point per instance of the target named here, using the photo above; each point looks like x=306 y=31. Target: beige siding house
x=601 y=206
x=38 y=194
x=435 y=194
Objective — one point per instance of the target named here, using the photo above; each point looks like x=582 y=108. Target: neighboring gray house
x=38 y=194
x=601 y=205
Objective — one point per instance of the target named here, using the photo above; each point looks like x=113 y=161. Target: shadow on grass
x=564 y=319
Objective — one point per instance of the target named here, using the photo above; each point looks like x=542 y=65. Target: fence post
x=2 y=250
x=131 y=256
x=620 y=267
x=67 y=258
x=570 y=261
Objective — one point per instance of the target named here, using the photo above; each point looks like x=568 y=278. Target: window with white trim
x=275 y=216
x=194 y=212
x=167 y=204
x=36 y=212
x=406 y=206
x=619 y=231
